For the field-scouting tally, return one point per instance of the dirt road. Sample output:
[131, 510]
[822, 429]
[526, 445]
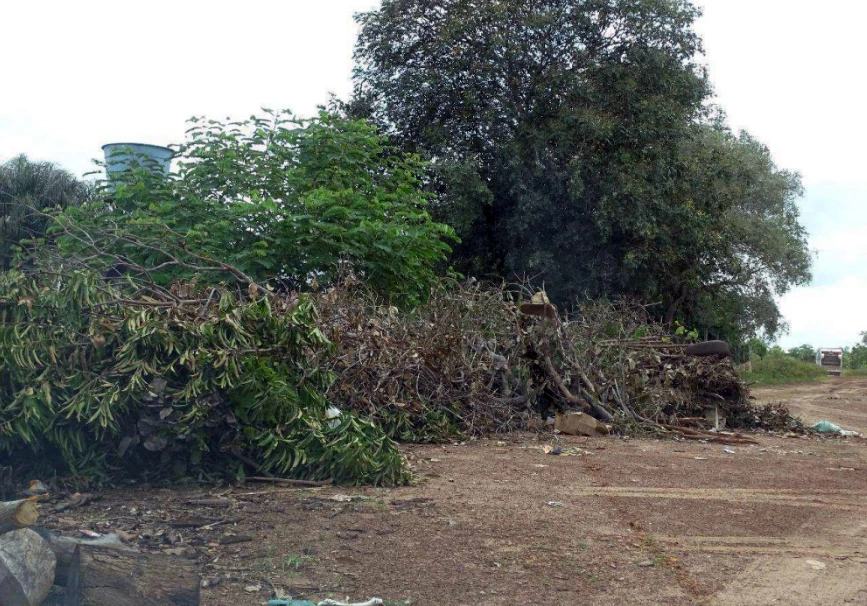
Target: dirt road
[610, 522]
[842, 400]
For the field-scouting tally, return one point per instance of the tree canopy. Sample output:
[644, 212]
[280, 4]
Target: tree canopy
[805, 353]
[574, 142]
[27, 187]
[286, 202]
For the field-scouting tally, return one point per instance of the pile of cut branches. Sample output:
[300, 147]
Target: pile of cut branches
[451, 367]
[469, 363]
[181, 382]
[632, 369]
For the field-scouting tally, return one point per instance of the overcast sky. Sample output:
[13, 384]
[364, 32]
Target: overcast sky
[77, 75]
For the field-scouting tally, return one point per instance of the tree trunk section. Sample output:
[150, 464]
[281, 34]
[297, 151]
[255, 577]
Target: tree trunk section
[672, 308]
[11, 593]
[17, 514]
[27, 566]
[64, 549]
[99, 577]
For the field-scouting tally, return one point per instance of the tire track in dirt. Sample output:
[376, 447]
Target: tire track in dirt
[837, 574]
[826, 569]
[838, 548]
[843, 500]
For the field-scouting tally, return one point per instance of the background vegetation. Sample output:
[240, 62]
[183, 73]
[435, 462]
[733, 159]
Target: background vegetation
[777, 368]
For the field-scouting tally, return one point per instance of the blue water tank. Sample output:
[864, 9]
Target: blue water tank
[118, 156]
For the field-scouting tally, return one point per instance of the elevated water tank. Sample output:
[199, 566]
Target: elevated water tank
[120, 156]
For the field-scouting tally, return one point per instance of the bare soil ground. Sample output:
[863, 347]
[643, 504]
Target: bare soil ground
[841, 400]
[614, 521]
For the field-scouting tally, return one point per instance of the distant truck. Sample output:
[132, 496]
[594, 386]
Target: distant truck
[831, 359]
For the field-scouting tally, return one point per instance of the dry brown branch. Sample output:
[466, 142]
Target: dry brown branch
[561, 386]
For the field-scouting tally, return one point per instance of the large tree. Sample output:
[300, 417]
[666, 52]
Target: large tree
[573, 141]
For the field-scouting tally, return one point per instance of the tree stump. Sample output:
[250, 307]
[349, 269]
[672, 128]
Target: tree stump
[27, 566]
[100, 577]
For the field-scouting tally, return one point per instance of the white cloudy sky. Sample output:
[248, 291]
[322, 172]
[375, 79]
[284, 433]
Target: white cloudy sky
[80, 74]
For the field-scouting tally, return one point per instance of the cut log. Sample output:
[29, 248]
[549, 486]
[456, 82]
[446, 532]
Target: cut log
[17, 514]
[11, 593]
[64, 549]
[99, 577]
[709, 348]
[27, 567]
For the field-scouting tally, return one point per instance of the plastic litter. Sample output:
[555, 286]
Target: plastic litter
[290, 603]
[552, 450]
[333, 415]
[828, 427]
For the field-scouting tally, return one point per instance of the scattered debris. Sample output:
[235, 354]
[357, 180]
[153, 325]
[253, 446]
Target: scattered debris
[126, 537]
[36, 488]
[216, 503]
[572, 451]
[556, 504]
[291, 482]
[347, 498]
[232, 539]
[370, 602]
[728, 450]
[77, 500]
[815, 564]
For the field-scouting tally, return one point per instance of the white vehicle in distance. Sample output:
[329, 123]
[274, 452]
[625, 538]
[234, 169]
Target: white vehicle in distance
[831, 359]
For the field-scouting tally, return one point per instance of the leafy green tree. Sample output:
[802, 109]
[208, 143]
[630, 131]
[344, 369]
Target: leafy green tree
[547, 122]
[27, 187]
[753, 249]
[286, 202]
[856, 357]
[805, 353]
[757, 347]
[572, 142]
